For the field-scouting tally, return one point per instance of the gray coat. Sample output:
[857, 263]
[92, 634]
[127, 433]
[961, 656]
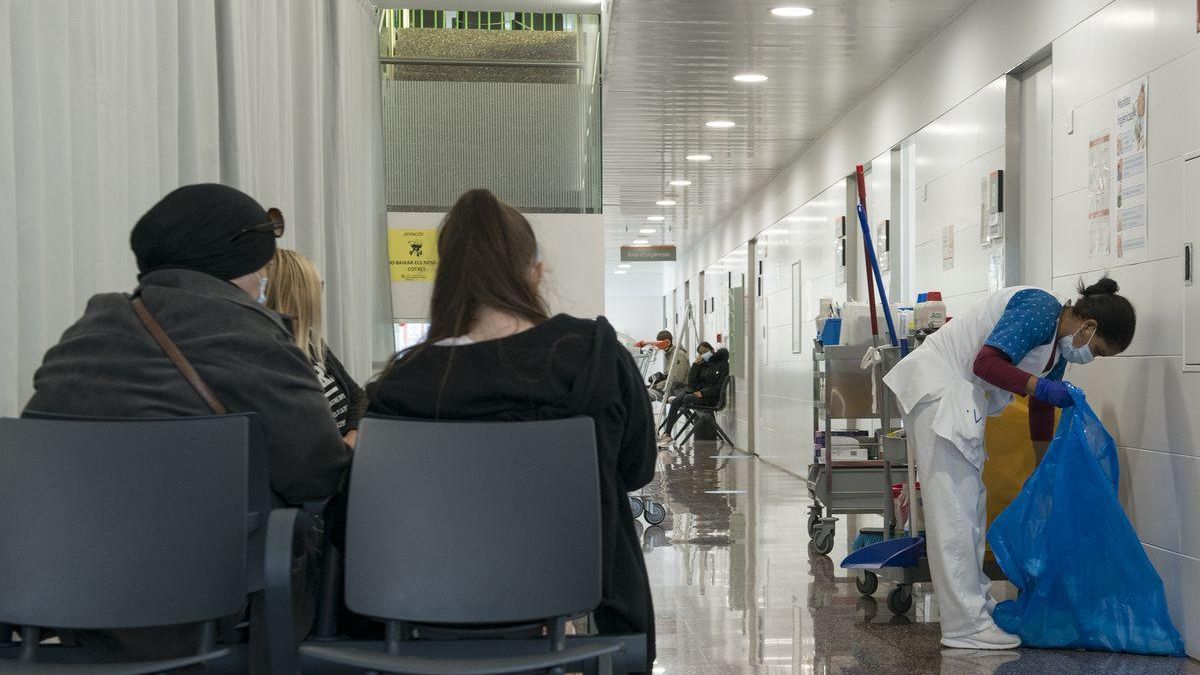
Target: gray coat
[108, 365]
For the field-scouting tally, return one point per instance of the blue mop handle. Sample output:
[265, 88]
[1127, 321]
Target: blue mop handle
[887, 312]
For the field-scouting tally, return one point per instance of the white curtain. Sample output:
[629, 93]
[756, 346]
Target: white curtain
[106, 105]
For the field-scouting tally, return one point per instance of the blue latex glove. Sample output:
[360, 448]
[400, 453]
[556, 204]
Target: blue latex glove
[1057, 394]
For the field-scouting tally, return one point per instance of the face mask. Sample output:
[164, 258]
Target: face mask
[1077, 355]
[706, 356]
[262, 291]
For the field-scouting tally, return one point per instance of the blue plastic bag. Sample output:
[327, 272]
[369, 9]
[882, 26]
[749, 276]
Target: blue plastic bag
[1085, 581]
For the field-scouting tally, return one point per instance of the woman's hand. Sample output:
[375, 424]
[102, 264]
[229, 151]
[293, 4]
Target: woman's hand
[699, 394]
[351, 438]
[1057, 394]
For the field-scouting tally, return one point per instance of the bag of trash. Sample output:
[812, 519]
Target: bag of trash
[1085, 581]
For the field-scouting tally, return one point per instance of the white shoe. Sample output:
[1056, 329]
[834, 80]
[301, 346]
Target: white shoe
[988, 638]
[664, 440]
[990, 605]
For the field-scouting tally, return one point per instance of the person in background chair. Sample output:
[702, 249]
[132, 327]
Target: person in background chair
[201, 255]
[295, 292]
[675, 366]
[493, 352]
[705, 379]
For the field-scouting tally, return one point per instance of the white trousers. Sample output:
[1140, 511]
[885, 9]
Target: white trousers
[955, 518]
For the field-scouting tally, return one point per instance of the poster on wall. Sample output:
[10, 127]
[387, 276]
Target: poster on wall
[1099, 230]
[1129, 190]
[948, 247]
[412, 254]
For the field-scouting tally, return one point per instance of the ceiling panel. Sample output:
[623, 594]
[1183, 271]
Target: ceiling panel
[669, 69]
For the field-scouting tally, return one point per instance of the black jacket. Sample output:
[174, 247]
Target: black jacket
[565, 367]
[709, 376]
[107, 365]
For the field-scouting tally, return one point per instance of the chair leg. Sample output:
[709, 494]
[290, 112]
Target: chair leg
[327, 603]
[6, 634]
[690, 418]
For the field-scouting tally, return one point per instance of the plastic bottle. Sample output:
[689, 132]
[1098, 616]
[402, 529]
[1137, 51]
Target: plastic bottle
[930, 314]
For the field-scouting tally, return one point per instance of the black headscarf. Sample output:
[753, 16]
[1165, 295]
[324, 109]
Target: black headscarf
[196, 227]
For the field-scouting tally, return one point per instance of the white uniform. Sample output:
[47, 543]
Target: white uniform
[945, 410]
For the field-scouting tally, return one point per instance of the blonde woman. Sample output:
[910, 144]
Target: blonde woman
[295, 291]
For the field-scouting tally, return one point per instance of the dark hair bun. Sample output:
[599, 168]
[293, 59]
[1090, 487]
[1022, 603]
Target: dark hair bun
[1105, 286]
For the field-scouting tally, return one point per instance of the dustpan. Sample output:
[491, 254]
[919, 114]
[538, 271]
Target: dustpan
[904, 552]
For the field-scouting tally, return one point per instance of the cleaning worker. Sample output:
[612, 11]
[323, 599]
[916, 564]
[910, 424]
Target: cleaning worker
[1015, 341]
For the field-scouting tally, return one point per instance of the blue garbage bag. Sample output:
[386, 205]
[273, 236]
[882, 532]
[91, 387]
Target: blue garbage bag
[1085, 581]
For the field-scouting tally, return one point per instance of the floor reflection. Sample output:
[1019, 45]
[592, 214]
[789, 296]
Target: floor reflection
[738, 589]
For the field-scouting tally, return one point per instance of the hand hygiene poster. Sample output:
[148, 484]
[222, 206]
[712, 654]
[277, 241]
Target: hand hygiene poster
[1130, 187]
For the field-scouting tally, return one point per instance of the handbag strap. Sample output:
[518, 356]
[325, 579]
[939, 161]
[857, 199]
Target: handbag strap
[172, 351]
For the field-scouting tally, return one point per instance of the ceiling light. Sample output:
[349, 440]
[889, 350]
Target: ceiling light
[681, 183]
[620, 272]
[624, 267]
[699, 158]
[656, 219]
[792, 12]
[666, 202]
[750, 77]
[720, 124]
[648, 231]
[640, 242]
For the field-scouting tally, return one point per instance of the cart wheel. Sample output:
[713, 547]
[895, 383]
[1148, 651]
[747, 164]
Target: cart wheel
[635, 505]
[655, 513]
[867, 583]
[814, 519]
[900, 600]
[823, 541]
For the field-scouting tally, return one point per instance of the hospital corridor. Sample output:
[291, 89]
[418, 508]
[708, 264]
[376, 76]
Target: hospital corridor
[663, 337]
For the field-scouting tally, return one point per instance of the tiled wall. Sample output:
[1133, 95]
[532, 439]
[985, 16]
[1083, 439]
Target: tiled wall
[1145, 399]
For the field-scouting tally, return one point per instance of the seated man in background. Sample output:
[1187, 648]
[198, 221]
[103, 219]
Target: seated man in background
[675, 366]
[200, 252]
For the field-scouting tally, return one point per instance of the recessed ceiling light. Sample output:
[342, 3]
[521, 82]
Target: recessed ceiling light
[619, 272]
[624, 267]
[720, 124]
[640, 242]
[649, 230]
[750, 77]
[666, 202]
[699, 158]
[681, 183]
[656, 219]
[792, 12]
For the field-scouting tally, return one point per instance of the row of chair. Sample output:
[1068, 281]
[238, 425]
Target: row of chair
[117, 524]
[693, 413]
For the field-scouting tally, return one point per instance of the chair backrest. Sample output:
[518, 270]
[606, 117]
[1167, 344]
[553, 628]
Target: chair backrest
[726, 387]
[473, 522]
[122, 524]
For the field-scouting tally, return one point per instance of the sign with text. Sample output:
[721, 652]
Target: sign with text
[647, 254]
[412, 254]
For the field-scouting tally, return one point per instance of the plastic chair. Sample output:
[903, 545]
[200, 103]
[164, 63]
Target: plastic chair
[112, 525]
[693, 411]
[454, 525]
[269, 535]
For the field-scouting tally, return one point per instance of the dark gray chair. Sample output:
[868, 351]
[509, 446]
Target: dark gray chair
[694, 412]
[454, 525]
[111, 524]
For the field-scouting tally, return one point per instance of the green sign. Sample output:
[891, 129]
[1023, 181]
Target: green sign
[647, 254]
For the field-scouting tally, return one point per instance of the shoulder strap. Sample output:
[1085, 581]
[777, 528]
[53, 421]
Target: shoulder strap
[172, 351]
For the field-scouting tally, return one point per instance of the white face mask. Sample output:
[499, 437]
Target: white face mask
[1077, 355]
[262, 291]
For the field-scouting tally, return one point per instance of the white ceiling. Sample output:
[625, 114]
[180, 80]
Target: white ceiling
[669, 69]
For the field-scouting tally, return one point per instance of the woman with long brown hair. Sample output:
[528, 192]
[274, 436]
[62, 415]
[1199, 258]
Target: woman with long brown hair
[295, 292]
[494, 353]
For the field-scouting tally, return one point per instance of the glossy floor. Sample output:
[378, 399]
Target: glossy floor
[737, 588]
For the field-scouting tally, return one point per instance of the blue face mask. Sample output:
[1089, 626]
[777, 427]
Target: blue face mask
[262, 291]
[1077, 355]
[706, 356]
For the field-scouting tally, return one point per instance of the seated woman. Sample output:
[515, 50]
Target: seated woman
[704, 381]
[295, 292]
[494, 353]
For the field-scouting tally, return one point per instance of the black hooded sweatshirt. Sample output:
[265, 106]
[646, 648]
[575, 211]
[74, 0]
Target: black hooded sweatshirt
[565, 367]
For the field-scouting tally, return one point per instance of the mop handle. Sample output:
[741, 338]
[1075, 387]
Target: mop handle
[871, 299]
[873, 263]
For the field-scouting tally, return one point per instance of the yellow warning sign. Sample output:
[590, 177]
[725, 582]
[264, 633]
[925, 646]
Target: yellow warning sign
[412, 254]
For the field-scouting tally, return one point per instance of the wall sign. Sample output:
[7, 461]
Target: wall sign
[647, 254]
[1130, 188]
[1099, 230]
[948, 247]
[412, 254]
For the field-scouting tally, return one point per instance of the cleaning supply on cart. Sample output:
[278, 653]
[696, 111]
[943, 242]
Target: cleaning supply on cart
[1085, 581]
[856, 324]
[930, 313]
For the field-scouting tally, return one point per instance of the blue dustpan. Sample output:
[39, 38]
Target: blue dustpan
[904, 552]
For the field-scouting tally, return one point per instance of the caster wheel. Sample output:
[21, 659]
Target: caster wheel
[900, 600]
[823, 542]
[866, 583]
[635, 505]
[655, 513]
[814, 519]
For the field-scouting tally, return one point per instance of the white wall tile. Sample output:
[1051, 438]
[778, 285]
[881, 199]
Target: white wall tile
[1120, 44]
[1170, 94]
[1072, 86]
[1181, 577]
[1175, 29]
[1153, 288]
[1187, 485]
[1070, 151]
[1151, 497]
